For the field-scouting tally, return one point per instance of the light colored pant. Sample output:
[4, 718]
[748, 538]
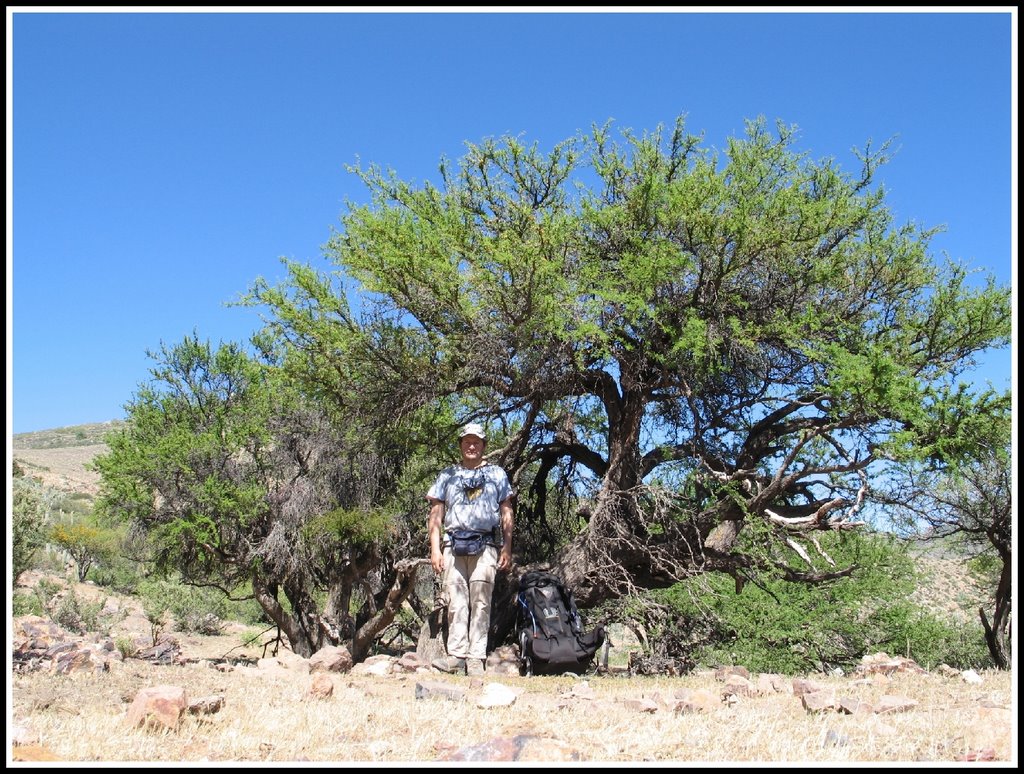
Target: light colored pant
[469, 584]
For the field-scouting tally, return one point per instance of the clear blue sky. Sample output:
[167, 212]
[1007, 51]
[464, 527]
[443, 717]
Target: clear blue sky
[159, 162]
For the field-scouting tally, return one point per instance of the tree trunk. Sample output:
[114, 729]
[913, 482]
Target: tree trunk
[433, 635]
[298, 640]
[405, 581]
[995, 633]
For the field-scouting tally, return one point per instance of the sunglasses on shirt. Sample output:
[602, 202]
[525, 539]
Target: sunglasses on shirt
[473, 486]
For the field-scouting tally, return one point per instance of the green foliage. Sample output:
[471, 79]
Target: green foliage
[781, 626]
[126, 647]
[31, 508]
[237, 480]
[192, 609]
[215, 408]
[81, 616]
[932, 641]
[157, 598]
[117, 574]
[251, 636]
[966, 501]
[26, 603]
[200, 610]
[750, 320]
[45, 591]
[86, 542]
[354, 526]
[249, 612]
[192, 466]
[985, 569]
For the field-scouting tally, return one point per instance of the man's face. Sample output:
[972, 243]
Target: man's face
[472, 448]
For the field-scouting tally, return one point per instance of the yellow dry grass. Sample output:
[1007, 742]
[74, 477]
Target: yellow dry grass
[272, 718]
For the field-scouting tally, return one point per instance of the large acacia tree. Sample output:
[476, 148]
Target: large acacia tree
[706, 356]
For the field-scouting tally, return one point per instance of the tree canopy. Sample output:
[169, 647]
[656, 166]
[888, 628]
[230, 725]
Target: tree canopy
[687, 361]
[672, 344]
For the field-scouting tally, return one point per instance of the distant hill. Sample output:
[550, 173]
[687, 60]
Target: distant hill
[59, 458]
[65, 437]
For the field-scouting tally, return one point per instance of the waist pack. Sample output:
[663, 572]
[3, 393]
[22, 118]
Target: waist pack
[467, 542]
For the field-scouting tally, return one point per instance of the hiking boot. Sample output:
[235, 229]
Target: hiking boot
[474, 667]
[450, 664]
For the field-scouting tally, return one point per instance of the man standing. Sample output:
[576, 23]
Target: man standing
[471, 497]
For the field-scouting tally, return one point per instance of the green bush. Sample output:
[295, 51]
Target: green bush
[30, 512]
[26, 603]
[792, 628]
[193, 609]
[252, 637]
[81, 616]
[930, 642]
[116, 574]
[45, 591]
[126, 647]
[248, 612]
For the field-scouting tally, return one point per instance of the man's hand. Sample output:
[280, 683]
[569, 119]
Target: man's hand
[437, 560]
[435, 528]
[505, 559]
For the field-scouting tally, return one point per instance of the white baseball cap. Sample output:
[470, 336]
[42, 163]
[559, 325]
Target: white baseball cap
[472, 429]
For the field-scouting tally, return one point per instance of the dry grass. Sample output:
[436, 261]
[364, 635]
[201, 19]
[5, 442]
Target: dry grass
[378, 719]
[62, 469]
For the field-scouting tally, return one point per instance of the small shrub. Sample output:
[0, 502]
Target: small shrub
[193, 609]
[777, 626]
[119, 576]
[45, 591]
[126, 647]
[80, 616]
[200, 610]
[930, 641]
[26, 603]
[157, 597]
[30, 513]
[253, 636]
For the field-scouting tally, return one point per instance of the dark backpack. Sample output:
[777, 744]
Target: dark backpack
[549, 632]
